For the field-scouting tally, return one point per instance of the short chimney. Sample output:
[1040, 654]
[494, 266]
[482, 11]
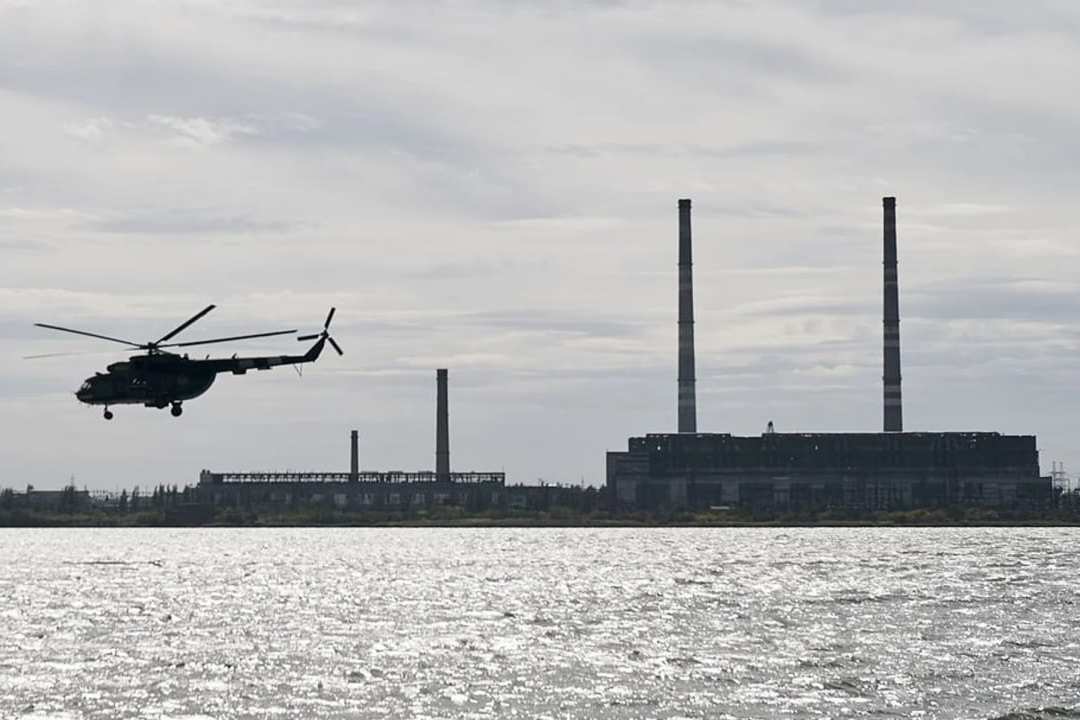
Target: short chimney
[442, 428]
[354, 466]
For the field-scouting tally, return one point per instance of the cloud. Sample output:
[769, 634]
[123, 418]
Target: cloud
[494, 190]
[199, 133]
[91, 129]
[540, 321]
[185, 221]
[762, 148]
[1004, 298]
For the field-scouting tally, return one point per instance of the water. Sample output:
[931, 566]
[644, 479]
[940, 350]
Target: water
[539, 623]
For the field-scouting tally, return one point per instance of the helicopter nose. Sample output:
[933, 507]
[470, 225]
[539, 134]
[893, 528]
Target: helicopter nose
[85, 393]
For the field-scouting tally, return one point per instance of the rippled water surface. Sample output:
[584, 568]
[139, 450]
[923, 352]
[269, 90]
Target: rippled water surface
[540, 623]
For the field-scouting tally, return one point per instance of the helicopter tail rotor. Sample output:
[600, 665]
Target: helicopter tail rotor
[325, 334]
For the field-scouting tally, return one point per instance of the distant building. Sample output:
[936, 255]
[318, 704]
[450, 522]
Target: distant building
[356, 491]
[353, 491]
[66, 500]
[818, 471]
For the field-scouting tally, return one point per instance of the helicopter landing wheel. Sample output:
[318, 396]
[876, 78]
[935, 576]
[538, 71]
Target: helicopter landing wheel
[108, 414]
[176, 410]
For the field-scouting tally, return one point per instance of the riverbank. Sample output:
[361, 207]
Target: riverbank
[206, 516]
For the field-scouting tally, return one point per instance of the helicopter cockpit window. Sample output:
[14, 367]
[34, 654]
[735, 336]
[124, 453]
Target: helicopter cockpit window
[85, 386]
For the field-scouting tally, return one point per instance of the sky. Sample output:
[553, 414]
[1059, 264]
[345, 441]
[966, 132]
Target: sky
[492, 186]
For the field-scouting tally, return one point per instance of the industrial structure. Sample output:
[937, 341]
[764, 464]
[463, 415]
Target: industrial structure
[893, 410]
[687, 391]
[387, 491]
[892, 470]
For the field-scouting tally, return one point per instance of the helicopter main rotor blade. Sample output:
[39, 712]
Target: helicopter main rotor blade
[90, 334]
[226, 339]
[197, 315]
[73, 352]
[329, 317]
[339, 352]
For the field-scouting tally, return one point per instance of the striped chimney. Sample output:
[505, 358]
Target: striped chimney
[687, 397]
[894, 421]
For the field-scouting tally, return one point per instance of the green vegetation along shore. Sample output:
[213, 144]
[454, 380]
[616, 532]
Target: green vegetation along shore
[207, 516]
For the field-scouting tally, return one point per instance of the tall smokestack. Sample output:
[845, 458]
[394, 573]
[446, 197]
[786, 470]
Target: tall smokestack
[354, 466]
[687, 397]
[894, 421]
[442, 428]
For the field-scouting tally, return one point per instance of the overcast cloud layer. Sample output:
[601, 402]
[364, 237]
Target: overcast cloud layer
[491, 187]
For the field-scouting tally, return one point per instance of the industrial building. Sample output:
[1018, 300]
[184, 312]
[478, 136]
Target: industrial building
[392, 492]
[368, 491]
[356, 491]
[891, 470]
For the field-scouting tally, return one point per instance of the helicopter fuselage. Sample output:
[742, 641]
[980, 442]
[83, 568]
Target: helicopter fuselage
[159, 379]
[155, 380]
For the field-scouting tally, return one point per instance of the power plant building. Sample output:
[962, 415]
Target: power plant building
[817, 471]
[891, 470]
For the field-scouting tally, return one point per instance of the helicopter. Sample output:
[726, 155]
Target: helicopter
[162, 379]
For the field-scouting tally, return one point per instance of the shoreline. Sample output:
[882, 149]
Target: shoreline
[154, 521]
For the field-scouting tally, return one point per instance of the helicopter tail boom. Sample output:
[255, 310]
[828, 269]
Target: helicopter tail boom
[240, 365]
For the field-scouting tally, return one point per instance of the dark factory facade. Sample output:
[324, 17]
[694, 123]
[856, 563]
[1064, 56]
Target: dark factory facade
[820, 471]
[360, 492]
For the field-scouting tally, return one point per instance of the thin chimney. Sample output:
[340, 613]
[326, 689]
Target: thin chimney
[894, 421]
[354, 466]
[442, 428]
[687, 397]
